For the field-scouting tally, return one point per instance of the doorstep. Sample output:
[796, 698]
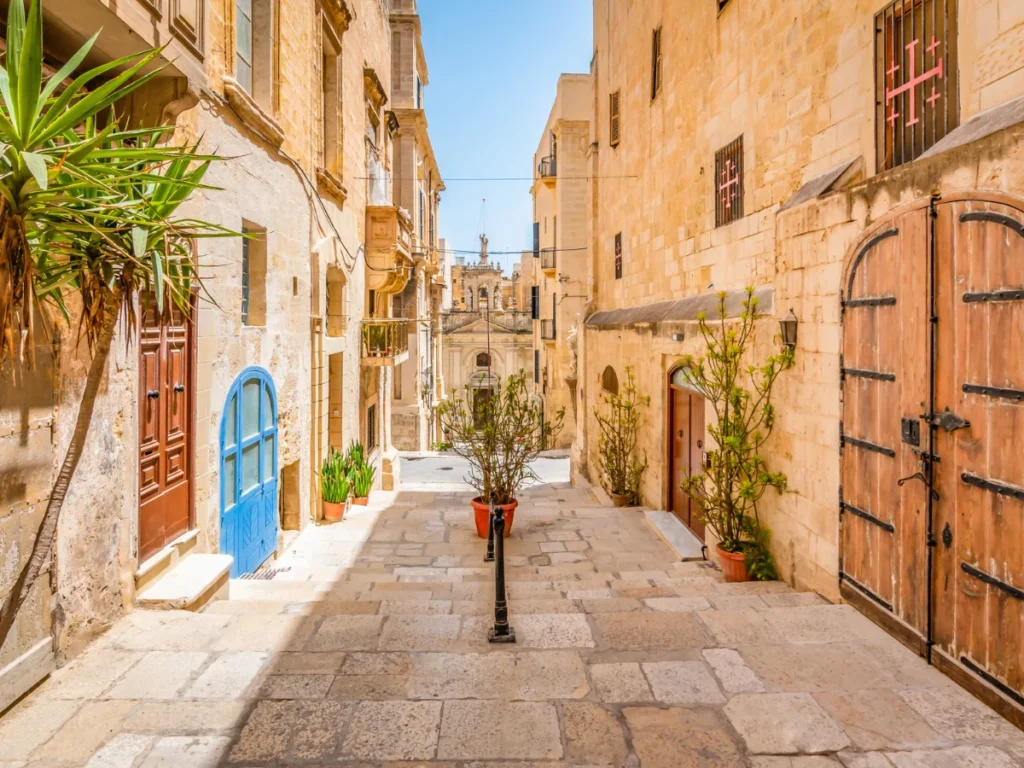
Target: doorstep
[193, 583]
[672, 531]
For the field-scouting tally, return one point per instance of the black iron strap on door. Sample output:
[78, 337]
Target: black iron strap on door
[994, 486]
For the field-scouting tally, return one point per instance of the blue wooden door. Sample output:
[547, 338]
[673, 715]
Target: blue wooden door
[248, 471]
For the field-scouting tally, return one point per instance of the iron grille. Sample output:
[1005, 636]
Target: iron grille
[547, 330]
[916, 90]
[618, 256]
[729, 183]
[548, 258]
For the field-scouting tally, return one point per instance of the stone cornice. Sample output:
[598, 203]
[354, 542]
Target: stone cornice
[252, 113]
[415, 121]
[374, 88]
[339, 13]
[329, 184]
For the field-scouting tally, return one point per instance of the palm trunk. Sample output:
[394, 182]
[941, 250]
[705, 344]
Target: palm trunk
[48, 528]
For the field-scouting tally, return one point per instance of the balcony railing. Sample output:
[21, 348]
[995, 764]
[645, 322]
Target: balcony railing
[548, 168]
[385, 340]
[547, 330]
[548, 259]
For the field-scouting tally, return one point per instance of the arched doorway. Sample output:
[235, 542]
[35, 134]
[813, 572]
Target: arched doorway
[685, 447]
[248, 471]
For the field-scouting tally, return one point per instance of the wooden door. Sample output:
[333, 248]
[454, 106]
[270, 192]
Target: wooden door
[885, 381]
[979, 522]
[165, 423]
[687, 423]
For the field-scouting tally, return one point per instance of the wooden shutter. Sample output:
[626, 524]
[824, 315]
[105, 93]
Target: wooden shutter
[656, 64]
[618, 256]
[613, 112]
[534, 302]
[536, 239]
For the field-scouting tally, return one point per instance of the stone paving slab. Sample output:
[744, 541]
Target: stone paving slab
[371, 651]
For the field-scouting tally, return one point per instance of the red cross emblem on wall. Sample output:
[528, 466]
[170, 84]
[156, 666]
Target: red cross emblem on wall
[913, 81]
[729, 185]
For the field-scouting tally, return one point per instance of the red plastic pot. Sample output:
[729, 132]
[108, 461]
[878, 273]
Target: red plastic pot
[481, 513]
[732, 565]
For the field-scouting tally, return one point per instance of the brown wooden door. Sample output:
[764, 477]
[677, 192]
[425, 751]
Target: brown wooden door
[687, 422]
[165, 422]
[979, 520]
[932, 494]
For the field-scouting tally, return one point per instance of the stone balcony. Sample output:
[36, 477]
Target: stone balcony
[389, 251]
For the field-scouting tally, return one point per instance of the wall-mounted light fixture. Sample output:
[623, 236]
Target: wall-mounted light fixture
[788, 328]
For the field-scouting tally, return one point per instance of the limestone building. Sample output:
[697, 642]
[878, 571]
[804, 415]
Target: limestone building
[559, 288]
[417, 188]
[481, 286]
[297, 353]
[860, 164]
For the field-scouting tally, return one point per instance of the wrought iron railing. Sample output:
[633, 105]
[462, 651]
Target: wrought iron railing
[385, 337]
[547, 330]
[548, 258]
[548, 168]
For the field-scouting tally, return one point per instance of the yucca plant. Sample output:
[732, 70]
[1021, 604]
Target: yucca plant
[355, 456]
[335, 483]
[362, 480]
[86, 209]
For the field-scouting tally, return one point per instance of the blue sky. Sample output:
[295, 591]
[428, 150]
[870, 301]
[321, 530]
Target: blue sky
[494, 66]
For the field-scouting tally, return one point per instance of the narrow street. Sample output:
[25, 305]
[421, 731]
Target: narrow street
[368, 647]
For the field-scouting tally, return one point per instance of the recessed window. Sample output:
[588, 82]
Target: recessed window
[656, 64]
[330, 76]
[613, 119]
[371, 427]
[254, 275]
[729, 183]
[254, 46]
[618, 256]
[610, 381]
[337, 302]
[916, 87]
[483, 360]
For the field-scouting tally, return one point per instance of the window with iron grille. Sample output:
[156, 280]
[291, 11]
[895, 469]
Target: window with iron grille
[729, 183]
[535, 302]
[618, 256]
[916, 89]
[371, 427]
[656, 64]
[613, 119]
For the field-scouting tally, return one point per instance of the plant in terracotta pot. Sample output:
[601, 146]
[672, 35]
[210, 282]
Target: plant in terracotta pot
[620, 465]
[335, 486]
[736, 475]
[500, 435]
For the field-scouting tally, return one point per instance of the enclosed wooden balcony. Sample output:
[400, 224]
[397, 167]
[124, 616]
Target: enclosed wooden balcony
[548, 261]
[385, 341]
[389, 259]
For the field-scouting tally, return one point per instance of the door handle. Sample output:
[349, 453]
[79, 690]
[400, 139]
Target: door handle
[948, 420]
[179, 387]
[153, 394]
[919, 476]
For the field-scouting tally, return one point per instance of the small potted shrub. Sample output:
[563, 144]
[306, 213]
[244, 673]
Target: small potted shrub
[362, 482]
[500, 436]
[736, 476]
[621, 467]
[334, 486]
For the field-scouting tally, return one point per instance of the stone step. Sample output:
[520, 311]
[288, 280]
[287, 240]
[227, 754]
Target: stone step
[191, 584]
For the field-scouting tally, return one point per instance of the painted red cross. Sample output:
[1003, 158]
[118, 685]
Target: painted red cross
[913, 81]
[730, 179]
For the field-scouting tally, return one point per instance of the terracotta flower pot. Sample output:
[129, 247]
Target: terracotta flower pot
[621, 499]
[732, 565]
[334, 511]
[361, 501]
[481, 513]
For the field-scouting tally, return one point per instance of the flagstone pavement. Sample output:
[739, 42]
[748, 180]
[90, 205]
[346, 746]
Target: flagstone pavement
[370, 650]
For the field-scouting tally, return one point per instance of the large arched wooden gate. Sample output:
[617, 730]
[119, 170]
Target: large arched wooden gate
[932, 437]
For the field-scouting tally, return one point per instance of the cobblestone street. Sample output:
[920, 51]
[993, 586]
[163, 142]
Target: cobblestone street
[369, 648]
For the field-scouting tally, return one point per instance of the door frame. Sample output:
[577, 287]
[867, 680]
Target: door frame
[190, 439]
[666, 428]
[922, 645]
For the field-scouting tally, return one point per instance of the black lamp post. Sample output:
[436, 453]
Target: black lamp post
[788, 327]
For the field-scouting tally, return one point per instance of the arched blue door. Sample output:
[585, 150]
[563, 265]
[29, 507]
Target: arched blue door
[248, 471]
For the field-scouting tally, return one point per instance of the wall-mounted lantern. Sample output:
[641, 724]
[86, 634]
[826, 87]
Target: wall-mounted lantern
[788, 328]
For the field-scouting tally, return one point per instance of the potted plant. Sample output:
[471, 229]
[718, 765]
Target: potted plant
[736, 476]
[335, 486]
[500, 435]
[621, 468]
[362, 482]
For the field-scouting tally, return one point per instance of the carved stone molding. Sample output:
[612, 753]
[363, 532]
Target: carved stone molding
[187, 21]
[329, 184]
[339, 14]
[374, 88]
[252, 113]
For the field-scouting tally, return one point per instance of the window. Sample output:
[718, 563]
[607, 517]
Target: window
[535, 302]
[656, 64]
[618, 256]
[337, 303]
[536, 366]
[254, 275]
[536, 239]
[554, 146]
[423, 207]
[613, 119]
[916, 88]
[371, 427]
[483, 360]
[554, 313]
[729, 183]
[419, 93]
[254, 44]
[610, 381]
[330, 81]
